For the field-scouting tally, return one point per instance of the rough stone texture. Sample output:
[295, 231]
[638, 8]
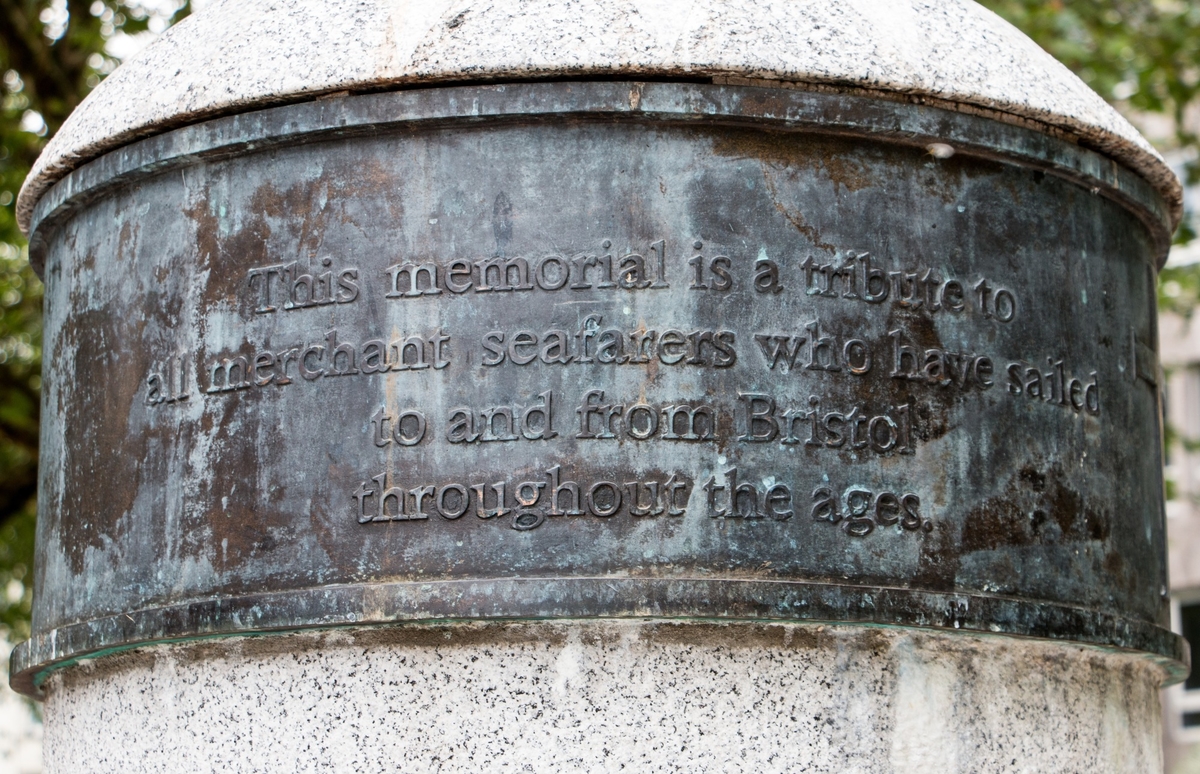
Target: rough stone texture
[608, 697]
[20, 731]
[236, 55]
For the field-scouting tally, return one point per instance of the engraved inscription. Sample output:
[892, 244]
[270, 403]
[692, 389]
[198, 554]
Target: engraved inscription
[858, 510]
[529, 502]
[168, 380]
[641, 421]
[602, 269]
[593, 343]
[816, 351]
[531, 422]
[763, 421]
[1055, 386]
[800, 356]
[939, 367]
[333, 356]
[859, 277]
[290, 286]
[406, 428]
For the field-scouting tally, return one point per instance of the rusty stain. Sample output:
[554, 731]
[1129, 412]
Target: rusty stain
[1036, 507]
[794, 216]
[838, 160]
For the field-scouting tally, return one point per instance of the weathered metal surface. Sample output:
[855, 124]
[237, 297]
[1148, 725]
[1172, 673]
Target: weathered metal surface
[599, 349]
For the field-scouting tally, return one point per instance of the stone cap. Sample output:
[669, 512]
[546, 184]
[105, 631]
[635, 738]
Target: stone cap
[236, 56]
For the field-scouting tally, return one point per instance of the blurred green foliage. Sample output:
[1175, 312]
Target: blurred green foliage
[1179, 289]
[1144, 56]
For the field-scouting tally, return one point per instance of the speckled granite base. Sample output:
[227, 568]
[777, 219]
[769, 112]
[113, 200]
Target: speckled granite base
[607, 697]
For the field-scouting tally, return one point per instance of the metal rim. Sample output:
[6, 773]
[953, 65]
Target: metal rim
[691, 103]
[499, 599]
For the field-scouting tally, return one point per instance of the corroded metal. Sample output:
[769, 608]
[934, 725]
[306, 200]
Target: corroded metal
[599, 349]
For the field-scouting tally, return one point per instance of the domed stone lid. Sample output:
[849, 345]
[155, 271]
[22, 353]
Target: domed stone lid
[235, 56]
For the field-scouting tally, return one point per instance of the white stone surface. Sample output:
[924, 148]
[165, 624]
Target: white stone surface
[20, 729]
[235, 55]
[607, 697]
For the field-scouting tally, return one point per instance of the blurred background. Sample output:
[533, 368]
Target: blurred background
[1141, 55]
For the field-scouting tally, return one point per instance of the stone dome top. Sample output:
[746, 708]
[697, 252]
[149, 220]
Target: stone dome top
[234, 56]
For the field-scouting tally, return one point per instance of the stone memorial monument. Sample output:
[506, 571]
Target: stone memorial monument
[560, 385]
